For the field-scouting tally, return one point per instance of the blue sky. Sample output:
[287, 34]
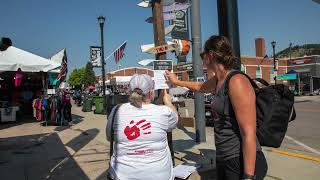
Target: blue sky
[44, 27]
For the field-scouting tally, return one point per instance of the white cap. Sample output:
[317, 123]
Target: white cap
[141, 81]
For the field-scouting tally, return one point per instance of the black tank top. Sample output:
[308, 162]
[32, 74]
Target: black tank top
[226, 129]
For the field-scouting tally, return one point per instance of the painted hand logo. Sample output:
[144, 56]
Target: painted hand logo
[134, 131]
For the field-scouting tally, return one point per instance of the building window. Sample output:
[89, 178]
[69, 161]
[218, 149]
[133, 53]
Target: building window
[258, 72]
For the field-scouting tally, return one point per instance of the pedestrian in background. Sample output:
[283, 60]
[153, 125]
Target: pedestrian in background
[140, 130]
[238, 152]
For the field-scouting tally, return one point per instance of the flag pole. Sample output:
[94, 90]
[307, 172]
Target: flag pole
[114, 51]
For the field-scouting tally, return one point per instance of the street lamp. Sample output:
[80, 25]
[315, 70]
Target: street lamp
[273, 43]
[101, 21]
[316, 1]
[290, 46]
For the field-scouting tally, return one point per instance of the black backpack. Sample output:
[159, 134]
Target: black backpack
[274, 107]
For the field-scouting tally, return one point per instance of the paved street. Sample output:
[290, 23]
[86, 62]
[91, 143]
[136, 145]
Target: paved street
[306, 127]
[31, 151]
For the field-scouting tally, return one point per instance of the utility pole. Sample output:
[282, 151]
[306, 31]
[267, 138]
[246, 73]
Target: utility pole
[229, 26]
[200, 120]
[159, 39]
[158, 27]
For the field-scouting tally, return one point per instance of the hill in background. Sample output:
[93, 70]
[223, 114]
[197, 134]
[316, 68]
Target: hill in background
[300, 51]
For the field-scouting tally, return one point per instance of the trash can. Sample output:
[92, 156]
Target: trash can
[87, 104]
[99, 101]
[114, 100]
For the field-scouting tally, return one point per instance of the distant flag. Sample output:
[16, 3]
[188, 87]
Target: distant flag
[119, 52]
[64, 68]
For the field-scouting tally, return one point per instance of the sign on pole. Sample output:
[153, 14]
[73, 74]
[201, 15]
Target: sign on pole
[181, 25]
[159, 68]
[95, 56]
[161, 49]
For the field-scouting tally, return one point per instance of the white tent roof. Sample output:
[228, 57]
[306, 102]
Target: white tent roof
[14, 58]
[57, 58]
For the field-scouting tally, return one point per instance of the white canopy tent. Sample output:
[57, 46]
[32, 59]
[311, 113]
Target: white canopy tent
[57, 58]
[14, 58]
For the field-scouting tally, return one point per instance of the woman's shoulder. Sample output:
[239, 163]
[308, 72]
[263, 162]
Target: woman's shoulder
[159, 108]
[239, 79]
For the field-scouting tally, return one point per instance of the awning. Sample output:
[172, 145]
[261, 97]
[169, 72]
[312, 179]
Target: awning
[302, 70]
[14, 58]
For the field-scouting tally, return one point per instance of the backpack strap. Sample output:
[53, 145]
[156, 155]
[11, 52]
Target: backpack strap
[231, 74]
[112, 129]
[226, 90]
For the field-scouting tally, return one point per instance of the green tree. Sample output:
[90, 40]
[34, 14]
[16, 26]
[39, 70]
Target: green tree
[76, 77]
[89, 77]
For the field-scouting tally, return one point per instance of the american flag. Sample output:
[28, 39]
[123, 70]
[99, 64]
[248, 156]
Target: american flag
[119, 53]
[64, 68]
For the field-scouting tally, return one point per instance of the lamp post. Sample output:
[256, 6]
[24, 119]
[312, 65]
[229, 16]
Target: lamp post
[273, 43]
[316, 1]
[101, 20]
[290, 48]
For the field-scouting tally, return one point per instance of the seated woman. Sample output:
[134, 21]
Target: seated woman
[140, 129]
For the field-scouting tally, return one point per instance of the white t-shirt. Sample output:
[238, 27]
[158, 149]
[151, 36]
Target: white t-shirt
[141, 148]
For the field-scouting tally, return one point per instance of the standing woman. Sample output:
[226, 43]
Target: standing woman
[238, 152]
[141, 150]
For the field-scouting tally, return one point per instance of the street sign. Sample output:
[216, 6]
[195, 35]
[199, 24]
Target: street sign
[147, 3]
[176, 7]
[146, 62]
[166, 17]
[161, 49]
[168, 29]
[162, 65]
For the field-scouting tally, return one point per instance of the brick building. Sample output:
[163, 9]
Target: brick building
[126, 72]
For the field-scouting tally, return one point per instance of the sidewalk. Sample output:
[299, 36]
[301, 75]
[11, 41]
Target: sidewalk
[299, 99]
[31, 151]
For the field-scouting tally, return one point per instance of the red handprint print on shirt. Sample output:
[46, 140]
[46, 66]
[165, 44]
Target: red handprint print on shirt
[134, 131]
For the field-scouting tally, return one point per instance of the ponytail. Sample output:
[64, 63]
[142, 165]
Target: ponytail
[136, 98]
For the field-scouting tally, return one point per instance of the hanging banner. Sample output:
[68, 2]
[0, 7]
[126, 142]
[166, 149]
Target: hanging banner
[181, 24]
[95, 56]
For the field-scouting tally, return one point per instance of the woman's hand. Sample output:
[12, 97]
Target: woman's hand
[167, 99]
[171, 77]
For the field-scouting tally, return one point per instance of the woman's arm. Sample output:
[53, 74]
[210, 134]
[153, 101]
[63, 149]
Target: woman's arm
[243, 100]
[203, 87]
[167, 100]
